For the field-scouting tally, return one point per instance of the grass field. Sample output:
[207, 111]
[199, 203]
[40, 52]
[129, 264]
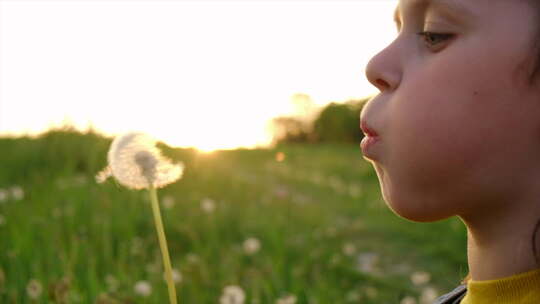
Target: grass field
[304, 222]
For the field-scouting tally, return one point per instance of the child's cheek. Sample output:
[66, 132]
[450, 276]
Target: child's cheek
[435, 141]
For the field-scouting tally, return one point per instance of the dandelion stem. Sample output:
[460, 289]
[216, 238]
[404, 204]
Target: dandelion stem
[163, 244]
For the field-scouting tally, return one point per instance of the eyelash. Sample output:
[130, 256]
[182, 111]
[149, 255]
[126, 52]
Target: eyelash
[434, 39]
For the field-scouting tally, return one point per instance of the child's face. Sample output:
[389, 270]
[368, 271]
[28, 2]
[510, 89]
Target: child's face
[459, 125]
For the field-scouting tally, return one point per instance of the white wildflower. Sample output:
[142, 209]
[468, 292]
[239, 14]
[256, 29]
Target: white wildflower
[112, 283]
[192, 258]
[353, 296]
[349, 249]
[208, 205]
[135, 161]
[371, 292]
[4, 195]
[367, 262]
[251, 245]
[143, 288]
[176, 276]
[290, 299]
[408, 300]
[420, 277]
[232, 295]
[17, 192]
[168, 202]
[34, 289]
[428, 296]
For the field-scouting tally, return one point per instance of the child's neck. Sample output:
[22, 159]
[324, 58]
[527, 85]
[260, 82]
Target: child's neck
[500, 245]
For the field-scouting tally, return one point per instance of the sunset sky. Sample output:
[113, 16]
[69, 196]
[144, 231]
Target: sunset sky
[208, 74]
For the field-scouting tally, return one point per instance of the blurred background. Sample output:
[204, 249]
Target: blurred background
[259, 99]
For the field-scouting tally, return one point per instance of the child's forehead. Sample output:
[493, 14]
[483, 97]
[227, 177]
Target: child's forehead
[459, 6]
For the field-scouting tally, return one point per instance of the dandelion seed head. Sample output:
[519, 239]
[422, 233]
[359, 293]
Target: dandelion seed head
[349, 249]
[3, 195]
[208, 205]
[176, 276]
[428, 296]
[136, 162]
[232, 295]
[17, 192]
[420, 278]
[290, 299]
[408, 300]
[251, 246]
[34, 289]
[112, 282]
[143, 288]
[168, 202]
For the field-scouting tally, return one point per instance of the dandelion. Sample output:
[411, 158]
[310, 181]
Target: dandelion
[232, 295]
[112, 282]
[428, 296]
[34, 289]
[143, 288]
[349, 249]
[17, 192]
[420, 278]
[371, 292]
[4, 194]
[168, 202]
[177, 276]
[135, 162]
[290, 299]
[353, 296]
[208, 205]
[251, 246]
[408, 300]
[367, 262]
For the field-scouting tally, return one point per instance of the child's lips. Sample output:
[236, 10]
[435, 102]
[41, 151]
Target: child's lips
[367, 144]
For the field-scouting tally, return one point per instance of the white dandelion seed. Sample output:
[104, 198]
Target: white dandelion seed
[428, 296]
[290, 299]
[251, 246]
[17, 192]
[34, 289]
[420, 278]
[112, 283]
[232, 295]
[349, 249]
[353, 296]
[367, 262]
[135, 161]
[143, 288]
[408, 300]
[371, 292]
[4, 194]
[168, 202]
[208, 205]
[176, 275]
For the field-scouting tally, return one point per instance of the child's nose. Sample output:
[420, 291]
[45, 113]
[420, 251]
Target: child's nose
[383, 69]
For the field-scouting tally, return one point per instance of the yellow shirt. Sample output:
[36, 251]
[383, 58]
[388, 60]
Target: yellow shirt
[523, 288]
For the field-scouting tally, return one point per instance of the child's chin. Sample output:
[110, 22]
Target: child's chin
[415, 212]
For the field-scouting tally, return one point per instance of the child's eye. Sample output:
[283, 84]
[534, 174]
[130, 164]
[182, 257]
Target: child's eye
[434, 41]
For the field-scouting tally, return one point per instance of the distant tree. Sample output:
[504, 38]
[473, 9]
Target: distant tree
[339, 122]
[290, 129]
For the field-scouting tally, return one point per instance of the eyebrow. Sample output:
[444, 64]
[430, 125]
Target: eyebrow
[451, 9]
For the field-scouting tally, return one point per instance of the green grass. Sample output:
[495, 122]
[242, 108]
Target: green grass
[74, 235]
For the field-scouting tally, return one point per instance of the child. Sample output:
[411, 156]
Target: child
[455, 131]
